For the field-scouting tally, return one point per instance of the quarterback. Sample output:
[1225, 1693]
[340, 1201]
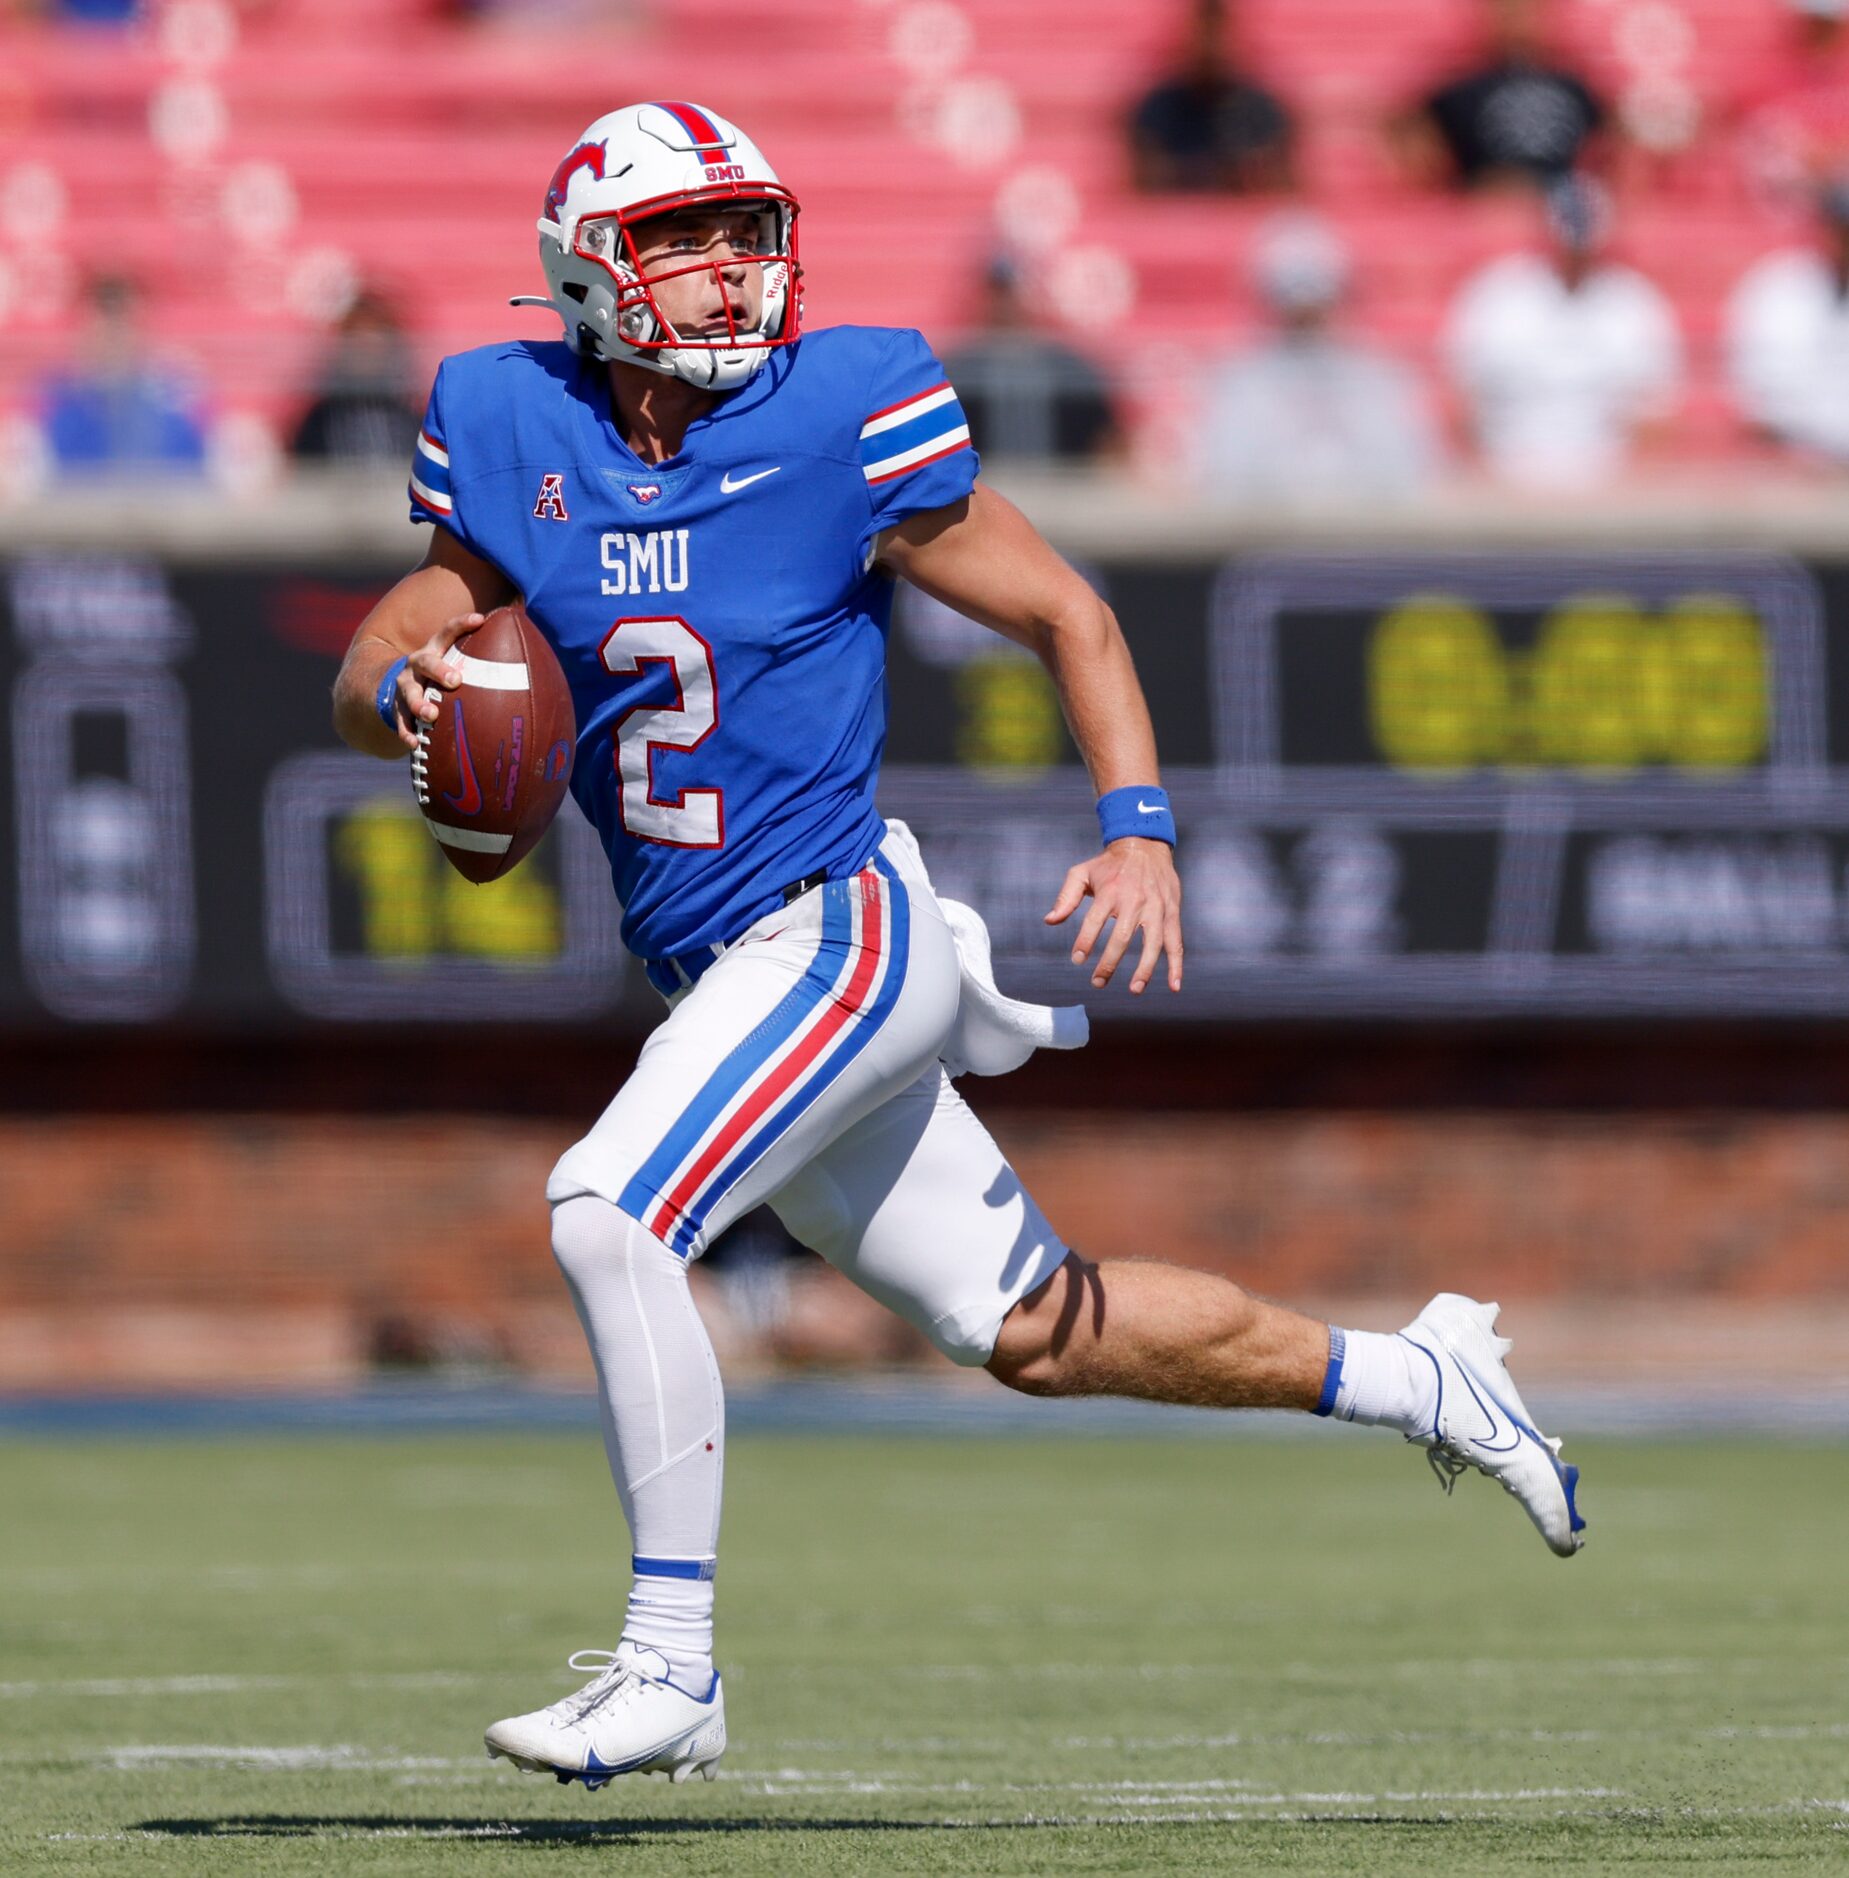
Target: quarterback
[704, 508]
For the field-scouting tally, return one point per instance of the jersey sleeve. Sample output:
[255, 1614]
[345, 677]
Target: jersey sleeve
[433, 496]
[915, 450]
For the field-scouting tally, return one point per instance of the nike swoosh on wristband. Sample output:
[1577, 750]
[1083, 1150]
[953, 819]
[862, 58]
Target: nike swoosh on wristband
[731, 488]
[1148, 808]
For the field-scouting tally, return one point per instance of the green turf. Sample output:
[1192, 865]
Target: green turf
[942, 1656]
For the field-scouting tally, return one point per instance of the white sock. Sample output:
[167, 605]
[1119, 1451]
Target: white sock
[674, 1616]
[663, 1422]
[1378, 1380]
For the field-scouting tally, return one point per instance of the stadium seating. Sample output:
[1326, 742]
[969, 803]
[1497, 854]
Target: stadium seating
[247, 164]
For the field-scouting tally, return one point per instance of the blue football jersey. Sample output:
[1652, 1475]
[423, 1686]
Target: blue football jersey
[716, 616]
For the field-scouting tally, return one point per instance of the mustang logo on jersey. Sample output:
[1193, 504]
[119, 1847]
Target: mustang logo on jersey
[645, 563]
[551, 503]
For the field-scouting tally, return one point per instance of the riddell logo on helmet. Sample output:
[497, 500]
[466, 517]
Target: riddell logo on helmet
[725, 173]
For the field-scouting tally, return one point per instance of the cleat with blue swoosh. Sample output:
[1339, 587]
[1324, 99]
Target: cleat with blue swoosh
[1480, 1422]
[630, 1718]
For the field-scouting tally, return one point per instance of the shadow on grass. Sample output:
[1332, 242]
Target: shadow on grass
[508, 1831]
[639, 1830]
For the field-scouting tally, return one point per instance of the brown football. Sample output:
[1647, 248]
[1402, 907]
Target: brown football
[490, 773]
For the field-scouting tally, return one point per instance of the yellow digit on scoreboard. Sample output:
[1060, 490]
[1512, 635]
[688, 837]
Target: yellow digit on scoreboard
[413, 908]
[1438, 685]
[1592, 684]
[514, 919]
[1608, 688]
[1008, 715]
[391, 861]
[1722, 715]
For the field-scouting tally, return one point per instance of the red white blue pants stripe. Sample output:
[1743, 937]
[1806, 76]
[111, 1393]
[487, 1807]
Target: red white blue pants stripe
[801, 1069]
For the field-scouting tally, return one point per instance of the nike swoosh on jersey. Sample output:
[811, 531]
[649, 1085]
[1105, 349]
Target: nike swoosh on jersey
[467, 801]
[731, 488]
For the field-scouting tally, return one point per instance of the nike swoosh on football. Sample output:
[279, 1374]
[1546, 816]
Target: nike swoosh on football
[467, 801]
[731, 488]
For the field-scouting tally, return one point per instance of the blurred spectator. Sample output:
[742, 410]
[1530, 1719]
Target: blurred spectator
[1563, 357]
[119, 409]
[79, 12]
[1795, 117]
[365, 409]
[1025, 393]
[1521, 114]
[1788, 337]
[1305, 415]
[1208, 126]
[552, 14]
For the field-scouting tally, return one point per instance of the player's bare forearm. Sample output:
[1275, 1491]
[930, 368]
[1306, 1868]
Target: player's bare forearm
[419, 620]
[1083, 648]
[983, 557]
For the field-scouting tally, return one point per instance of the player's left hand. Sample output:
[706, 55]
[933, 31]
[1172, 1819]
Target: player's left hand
[1134, 883]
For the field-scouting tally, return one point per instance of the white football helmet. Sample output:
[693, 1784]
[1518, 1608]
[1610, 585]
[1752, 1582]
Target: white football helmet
[648, 160]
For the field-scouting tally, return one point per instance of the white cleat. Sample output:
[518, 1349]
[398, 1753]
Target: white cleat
[629, 1719]
[1480, 1421]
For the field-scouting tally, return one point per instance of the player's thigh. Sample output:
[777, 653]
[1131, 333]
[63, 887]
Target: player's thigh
[917, 1204]
[787, 1040]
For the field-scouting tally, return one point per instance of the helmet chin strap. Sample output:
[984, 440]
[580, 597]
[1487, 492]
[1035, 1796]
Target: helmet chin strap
[671, 361]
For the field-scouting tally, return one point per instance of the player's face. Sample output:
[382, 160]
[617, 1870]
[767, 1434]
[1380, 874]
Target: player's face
[708, 257]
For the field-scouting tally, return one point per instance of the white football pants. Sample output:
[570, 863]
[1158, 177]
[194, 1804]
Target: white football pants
[800, 1068]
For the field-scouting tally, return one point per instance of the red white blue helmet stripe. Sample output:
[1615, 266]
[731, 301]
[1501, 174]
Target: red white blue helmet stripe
[710, 142]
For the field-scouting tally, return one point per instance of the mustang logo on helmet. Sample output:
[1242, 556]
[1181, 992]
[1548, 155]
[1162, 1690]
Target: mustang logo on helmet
[587, 156]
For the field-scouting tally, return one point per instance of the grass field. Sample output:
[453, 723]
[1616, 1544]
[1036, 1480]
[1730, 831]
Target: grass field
[942, 1656]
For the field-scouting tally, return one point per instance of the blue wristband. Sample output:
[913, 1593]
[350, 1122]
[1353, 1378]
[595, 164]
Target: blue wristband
[387, 700]
[1142, 812]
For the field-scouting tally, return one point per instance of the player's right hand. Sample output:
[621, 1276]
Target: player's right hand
[430, 672]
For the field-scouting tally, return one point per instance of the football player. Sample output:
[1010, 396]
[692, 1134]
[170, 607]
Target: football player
[704, 508]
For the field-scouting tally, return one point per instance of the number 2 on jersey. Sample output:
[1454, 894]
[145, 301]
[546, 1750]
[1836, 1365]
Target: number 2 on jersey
[688, 818]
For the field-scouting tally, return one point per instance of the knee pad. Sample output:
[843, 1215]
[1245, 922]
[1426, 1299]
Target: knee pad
[592, 1234]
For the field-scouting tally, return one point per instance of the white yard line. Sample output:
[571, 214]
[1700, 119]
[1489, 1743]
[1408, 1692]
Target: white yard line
[341, 1758]
[1408, 1668]
[239, 1685]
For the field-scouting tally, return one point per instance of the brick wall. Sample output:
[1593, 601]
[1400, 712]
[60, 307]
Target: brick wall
[219, 1250]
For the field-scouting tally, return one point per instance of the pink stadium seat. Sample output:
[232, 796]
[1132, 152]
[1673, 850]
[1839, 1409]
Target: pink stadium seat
[417, 148]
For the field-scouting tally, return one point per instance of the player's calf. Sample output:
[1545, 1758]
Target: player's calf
[1167, 1334]
[1159, 1332]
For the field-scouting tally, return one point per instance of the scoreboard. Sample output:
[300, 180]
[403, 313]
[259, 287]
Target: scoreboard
[1409, 785]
